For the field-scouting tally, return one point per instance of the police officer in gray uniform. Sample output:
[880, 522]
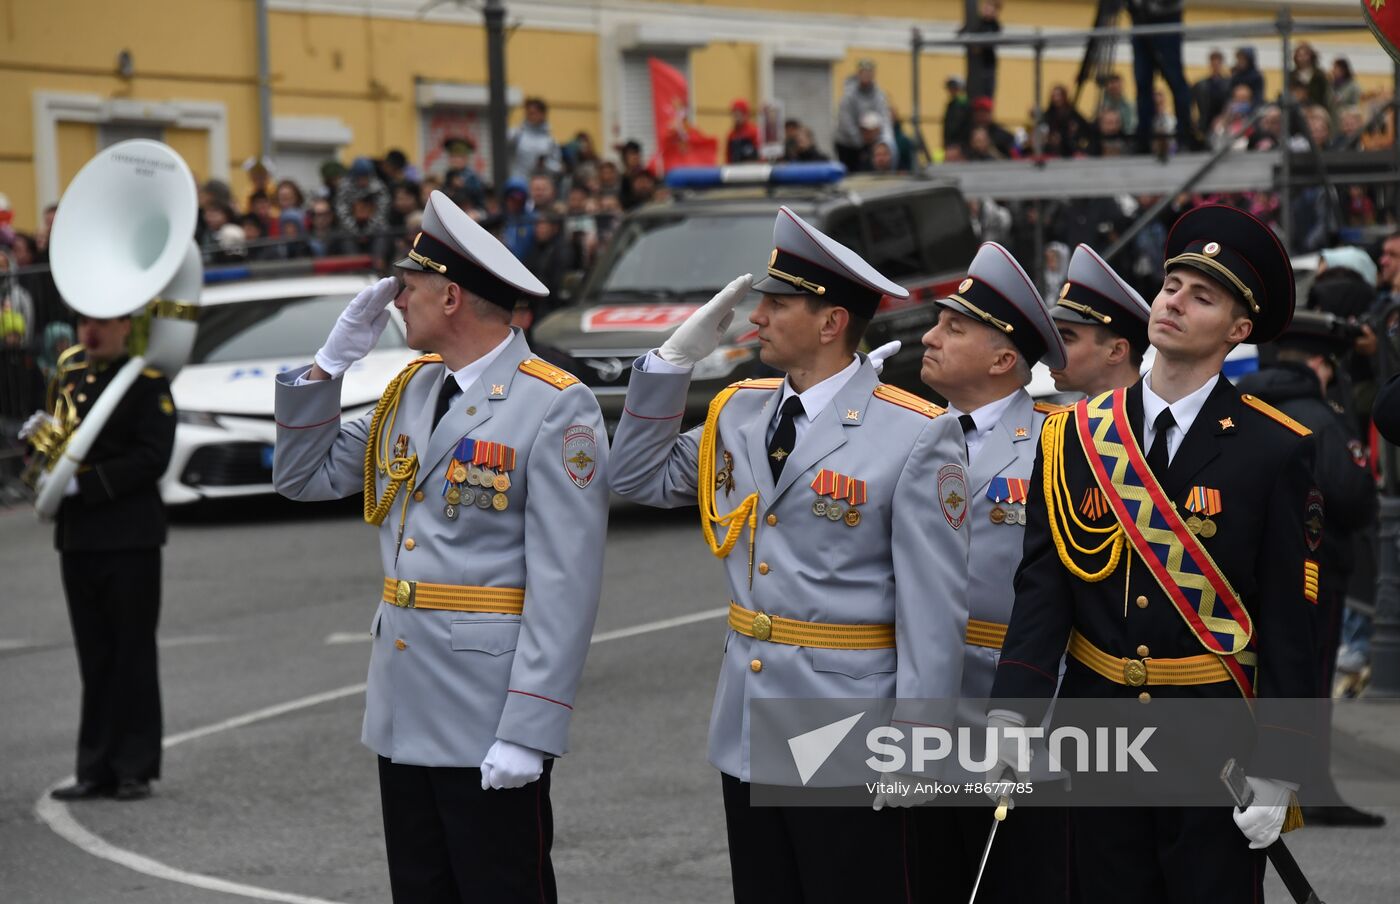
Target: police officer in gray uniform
[979, 357]
[485, 470]
[1103, 322]
[839, 507]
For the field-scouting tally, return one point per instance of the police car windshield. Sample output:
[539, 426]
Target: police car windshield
[272, 328]
[681, 255]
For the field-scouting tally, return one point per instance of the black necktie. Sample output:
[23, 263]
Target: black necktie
[968, 424]
[449, 392]
[1157, 459]
[785, 437]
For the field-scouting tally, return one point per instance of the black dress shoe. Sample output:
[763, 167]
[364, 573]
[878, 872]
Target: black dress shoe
[81, 791]
[1349, 817]
[132, 789]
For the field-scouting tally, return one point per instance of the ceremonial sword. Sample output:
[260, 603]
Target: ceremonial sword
[1003, 804]
[1279, 855]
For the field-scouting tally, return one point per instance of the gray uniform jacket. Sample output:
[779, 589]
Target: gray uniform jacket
[444, 685]
[1007, 451]
[904, 563]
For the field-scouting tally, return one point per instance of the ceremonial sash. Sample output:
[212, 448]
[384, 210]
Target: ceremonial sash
[1180, 564]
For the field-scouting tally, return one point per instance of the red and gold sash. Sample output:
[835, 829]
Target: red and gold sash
[1185, 571]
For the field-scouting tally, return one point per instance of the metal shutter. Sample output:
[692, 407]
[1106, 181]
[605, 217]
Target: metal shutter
[302, 164]
[637, 120]
[804, 87]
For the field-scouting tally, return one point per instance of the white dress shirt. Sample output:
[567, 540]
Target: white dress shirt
[1184, 411]
[473, 371]
[983, 420]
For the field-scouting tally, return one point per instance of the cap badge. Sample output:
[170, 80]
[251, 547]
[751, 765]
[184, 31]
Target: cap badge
[416, 238]
[1211, 249]
[773, 258]
[965, 285]
[1064, 290]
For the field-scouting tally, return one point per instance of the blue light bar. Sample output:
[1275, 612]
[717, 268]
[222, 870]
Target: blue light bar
[820, 173]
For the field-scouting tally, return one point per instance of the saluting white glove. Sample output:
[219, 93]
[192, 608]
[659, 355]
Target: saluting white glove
[509, 765]
[878, 356]
[358, 328]
[1262, 820]
[700, 334]
[36, 420]
[1008, 767]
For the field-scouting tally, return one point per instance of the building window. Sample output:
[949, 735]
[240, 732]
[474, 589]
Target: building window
[448, 110]
[110, 133]
[803, 87]
[301, 144]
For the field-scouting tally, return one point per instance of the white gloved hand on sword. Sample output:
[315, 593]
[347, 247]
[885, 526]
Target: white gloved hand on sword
[700, 334]
[358, 328]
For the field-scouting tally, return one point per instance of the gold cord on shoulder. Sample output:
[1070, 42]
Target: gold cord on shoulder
[1059, 507]
[379, 458]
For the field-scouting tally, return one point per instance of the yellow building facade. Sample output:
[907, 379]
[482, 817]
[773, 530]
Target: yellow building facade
[358, 77]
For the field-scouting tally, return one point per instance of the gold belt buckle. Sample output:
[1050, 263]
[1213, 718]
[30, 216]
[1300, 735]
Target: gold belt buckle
[1135, 673]
[403, 596]
[762, 626]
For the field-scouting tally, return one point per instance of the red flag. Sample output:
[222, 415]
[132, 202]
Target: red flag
[1384, 18]
[678, 142]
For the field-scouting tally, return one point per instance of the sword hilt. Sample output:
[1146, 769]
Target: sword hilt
[1003, 804]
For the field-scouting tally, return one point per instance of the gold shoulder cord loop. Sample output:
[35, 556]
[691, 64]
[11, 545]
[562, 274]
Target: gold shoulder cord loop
[1058, 503]
[378, 452]
[745, 513]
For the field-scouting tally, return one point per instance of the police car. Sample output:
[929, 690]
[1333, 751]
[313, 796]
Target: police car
[255, 323]
[668, 258]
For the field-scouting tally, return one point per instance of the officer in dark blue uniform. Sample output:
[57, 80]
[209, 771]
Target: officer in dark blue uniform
[1236, 477]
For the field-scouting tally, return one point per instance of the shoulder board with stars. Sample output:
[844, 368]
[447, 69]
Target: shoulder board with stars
[1049, 408]
[905, 399]
[759, 383]
[1273, 413]
[544, 371]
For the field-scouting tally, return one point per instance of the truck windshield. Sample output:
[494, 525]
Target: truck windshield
[681, 255]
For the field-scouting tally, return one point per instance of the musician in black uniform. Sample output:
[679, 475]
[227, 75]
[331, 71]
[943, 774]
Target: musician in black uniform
[1236, 476]
[110, 529]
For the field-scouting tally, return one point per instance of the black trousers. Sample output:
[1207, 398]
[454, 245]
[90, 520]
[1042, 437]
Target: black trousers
[1164, 855]
[815, 854]
[449, 842]
[1030, 860]
[114, 605]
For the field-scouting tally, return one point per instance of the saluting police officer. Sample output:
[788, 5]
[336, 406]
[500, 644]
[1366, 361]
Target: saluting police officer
[1239, 502]
[1103, 322]
[839, 506]
[485, 470]
[109, 533]
[979, 356]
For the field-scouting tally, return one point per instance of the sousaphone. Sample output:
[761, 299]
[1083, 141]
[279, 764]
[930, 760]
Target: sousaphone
[123, 244]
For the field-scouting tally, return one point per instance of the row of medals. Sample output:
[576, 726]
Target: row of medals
[1204, 527]
[1008, 515]
[831, 510]
[476, 486]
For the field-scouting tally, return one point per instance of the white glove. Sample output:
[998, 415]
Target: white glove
[878, 356]
[1008, 767]
[696, 338]
[358, 328]
[1262, 820]
[36, 420]
[916, 796]
[509, 765]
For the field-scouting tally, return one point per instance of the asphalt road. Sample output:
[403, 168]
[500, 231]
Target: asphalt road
[268, 604]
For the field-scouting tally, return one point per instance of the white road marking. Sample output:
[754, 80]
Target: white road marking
[57, 817]
[346, 637]
[191, 640]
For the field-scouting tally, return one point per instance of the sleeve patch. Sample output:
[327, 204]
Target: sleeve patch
[1313, 519]
[580, 454]
[952, 494]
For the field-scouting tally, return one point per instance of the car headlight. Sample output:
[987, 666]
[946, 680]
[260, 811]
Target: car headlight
[196, 418]
[721, 362]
